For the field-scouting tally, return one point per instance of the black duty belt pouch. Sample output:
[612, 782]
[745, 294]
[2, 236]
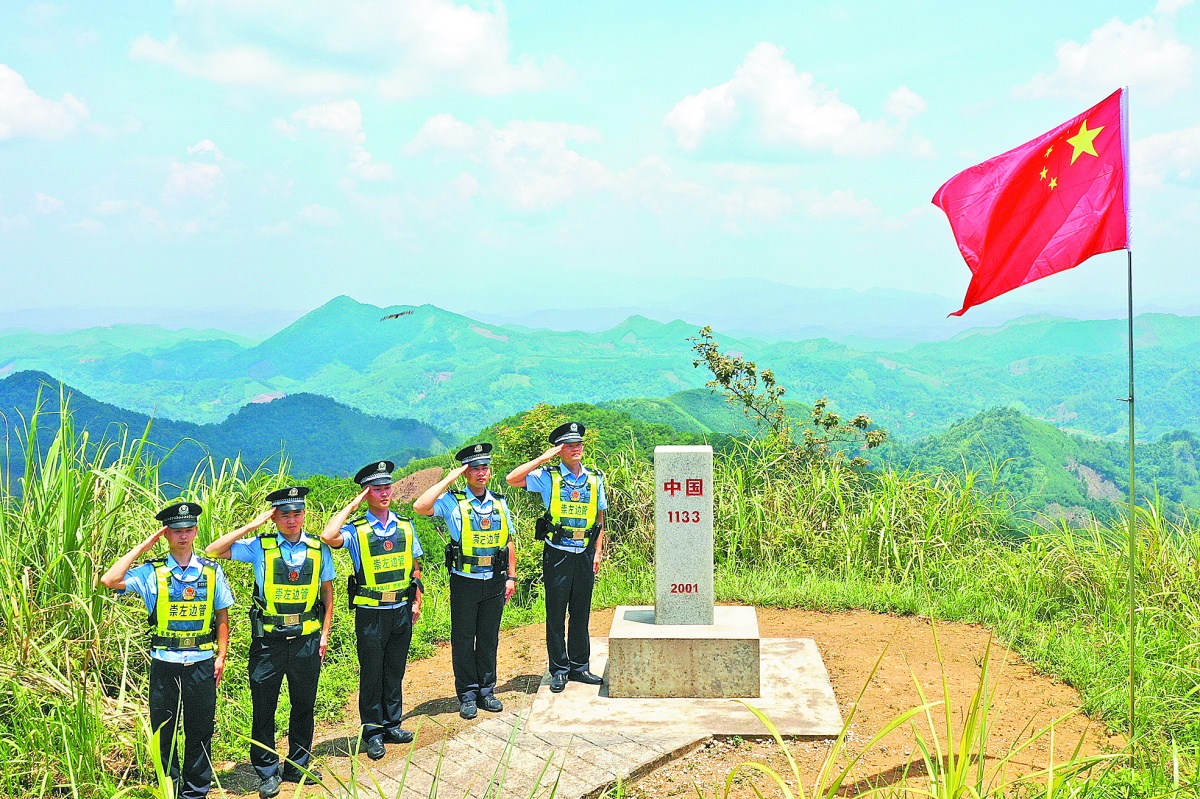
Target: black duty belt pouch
[351, 590]
[540, 529]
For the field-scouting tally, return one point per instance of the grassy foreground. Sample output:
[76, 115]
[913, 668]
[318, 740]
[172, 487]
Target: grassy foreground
[72, 662]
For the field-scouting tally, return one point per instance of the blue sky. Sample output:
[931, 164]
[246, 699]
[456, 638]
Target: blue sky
[248, 155]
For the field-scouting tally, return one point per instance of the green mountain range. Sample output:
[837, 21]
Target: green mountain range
[318, 435]
[459, 375]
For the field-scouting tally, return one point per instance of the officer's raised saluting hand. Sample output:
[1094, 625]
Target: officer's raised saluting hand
[546, 456]
[261, 519]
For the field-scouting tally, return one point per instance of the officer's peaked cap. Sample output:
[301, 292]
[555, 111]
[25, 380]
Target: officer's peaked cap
[375, 474]
[475, 454]
[290, 498]
[180, 514]
[567, 433]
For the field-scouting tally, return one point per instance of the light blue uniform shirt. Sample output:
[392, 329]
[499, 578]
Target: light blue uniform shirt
[447, 509]
[391, 528]
[140, 580]
[539, 482]
[251, 551]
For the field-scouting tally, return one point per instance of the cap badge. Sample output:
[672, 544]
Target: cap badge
[575, 495]
[387, 546]
[485, 523]
[382, 466]
[574, 427]
[293, 575]
[292, 492]
[183, 510]
[479, 447]
[189, 593]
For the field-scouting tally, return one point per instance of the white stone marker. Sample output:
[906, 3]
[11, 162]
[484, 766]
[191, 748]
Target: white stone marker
[683, 535]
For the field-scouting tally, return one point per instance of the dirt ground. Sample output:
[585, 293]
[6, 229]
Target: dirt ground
[1023, 702]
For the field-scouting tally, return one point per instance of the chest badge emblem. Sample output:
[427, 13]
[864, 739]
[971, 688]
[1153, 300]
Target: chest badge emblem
[189, 593]
[486, 522]
[293, 575]
[388, 546]
[575, 495]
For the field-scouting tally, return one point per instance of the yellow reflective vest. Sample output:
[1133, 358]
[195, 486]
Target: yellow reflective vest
[184, 613]
[481, 535]
[290, 595]
[568, 503]
[387, 563]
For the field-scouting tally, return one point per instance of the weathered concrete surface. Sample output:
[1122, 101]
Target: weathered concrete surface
[683, 535]
[794, 693]
[718, 660]
[491, 761]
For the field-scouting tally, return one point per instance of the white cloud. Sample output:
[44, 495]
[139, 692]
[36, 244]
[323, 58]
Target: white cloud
[244, 66]
[192, 180]
[344, 120]
[43, 13]
[785, 108]
[444, 132]
[401, 48]
[18, 222]
[86, 226]
[319, 216]
[1168, 7]
[1163, 157]
[206, 146]
[45, 204]
[24, 113]
[1142, 55]
[903, 103]
[532, 164]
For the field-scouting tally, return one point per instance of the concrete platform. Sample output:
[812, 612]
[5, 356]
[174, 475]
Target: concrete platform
[715, 660]
[794, 693]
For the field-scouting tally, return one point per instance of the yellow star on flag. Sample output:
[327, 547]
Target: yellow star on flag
[1048, 151]
[1053, 183]
[1083, 141]
[1043, 173]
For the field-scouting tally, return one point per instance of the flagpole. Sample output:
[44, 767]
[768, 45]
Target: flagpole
[1132, 519]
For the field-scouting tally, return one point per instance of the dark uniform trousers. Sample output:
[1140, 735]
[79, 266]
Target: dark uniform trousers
[475, 610]
[382, 639]
[195, 687]
[568, 578]
[271, 659]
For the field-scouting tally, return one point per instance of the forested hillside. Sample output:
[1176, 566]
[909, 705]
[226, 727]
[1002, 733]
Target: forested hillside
[458, 374]
[320, 436]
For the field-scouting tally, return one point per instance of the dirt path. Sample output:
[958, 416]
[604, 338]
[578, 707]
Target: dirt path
[851, 643]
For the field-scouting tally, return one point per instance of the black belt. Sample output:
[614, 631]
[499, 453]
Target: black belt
[291, 619]
[176, 643]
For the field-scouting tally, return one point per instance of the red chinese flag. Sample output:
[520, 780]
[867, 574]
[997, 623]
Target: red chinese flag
[1046, 206]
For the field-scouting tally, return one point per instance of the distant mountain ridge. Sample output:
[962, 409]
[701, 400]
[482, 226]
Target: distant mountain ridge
[460, 374]
[319, 435]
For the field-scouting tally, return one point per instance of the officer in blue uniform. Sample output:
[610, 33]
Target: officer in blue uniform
[187, 599]
[290, 620]
[482, 559]
[573, 529]
[385, 592]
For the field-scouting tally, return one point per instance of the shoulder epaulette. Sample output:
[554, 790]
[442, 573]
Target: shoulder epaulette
[457, 493]
[157, 561]
[212, 564]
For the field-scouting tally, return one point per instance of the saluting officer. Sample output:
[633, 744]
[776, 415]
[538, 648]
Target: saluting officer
[482, 559]
[290, 619]
[573, 529]
[187, 599]
[385, 592]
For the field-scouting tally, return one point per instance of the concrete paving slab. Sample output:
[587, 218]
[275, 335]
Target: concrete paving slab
[794, 693]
